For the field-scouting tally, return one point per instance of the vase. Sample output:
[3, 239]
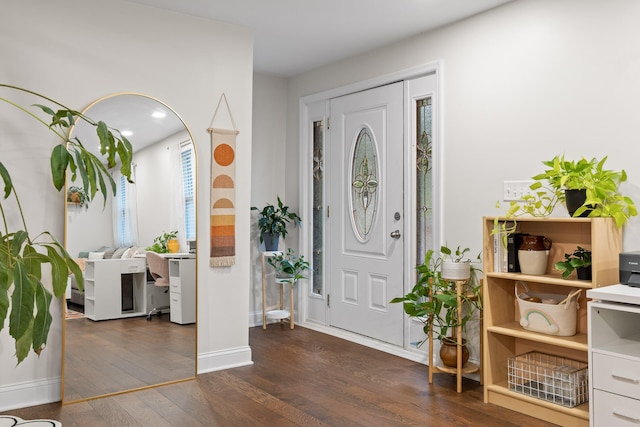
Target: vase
[574, 199]
[270, 241]
[584, 273]
[449, 353]
[173, 246]
[451, 270]
[533, 254]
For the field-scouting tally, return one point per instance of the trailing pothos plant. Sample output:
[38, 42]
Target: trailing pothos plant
[23, 296]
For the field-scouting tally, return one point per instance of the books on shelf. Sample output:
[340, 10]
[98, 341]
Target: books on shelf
[505, 250]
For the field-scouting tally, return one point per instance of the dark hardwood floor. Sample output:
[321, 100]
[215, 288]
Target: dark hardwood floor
[123, 354]
[299, 378]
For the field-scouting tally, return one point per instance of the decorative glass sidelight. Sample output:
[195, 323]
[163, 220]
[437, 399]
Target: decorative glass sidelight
[364, 184]
[318, 204]
[424, 177]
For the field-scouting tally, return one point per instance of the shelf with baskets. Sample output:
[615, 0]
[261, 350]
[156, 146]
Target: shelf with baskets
[505, 340]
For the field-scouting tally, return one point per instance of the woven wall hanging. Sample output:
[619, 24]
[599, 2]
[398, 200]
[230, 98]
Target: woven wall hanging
[223, 192]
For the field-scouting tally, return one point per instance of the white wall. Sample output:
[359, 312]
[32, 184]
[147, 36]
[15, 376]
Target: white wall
[77, 51]
[522, 83]
[267, 175]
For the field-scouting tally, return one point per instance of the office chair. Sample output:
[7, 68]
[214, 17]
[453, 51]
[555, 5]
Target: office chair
[159, 270]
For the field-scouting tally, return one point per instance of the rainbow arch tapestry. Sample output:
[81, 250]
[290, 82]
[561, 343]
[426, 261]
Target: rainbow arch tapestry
[223, 211]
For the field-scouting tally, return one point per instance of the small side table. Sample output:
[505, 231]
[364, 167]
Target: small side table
[278, 311]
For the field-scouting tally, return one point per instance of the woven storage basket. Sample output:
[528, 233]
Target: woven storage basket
[547, 316]
[553, 378]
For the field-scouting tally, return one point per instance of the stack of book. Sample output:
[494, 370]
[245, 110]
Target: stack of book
[505, 251]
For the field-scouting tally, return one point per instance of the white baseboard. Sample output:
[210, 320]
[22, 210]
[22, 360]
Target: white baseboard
[224, 359]
[40, 392]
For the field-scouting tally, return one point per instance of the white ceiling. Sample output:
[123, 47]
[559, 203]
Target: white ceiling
[294, 36]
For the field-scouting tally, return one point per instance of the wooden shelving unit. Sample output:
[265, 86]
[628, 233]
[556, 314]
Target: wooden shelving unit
[502, 334]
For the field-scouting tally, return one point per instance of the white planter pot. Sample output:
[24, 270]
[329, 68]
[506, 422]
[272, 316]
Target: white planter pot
[456, 270]
[533, 262]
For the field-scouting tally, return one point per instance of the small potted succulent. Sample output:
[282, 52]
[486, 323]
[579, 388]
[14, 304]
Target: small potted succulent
[579, 260]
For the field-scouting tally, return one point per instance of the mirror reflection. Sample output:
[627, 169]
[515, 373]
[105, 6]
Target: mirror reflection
[133, 325]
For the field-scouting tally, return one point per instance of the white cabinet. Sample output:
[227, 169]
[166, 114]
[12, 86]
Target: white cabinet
[103, 281]
[182, 288]
[614, 356]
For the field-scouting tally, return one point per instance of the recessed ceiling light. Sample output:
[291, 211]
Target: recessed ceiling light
[126, 133]
[158, 114]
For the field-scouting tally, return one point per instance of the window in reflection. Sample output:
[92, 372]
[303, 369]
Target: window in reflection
[125, 212]
[187, 158]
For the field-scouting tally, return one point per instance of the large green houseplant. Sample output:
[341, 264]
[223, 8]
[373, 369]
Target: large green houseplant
[273, 221]
[600, 187]
[23, 296]
[440, 311]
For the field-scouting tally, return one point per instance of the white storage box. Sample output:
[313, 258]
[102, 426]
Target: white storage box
[543, 313]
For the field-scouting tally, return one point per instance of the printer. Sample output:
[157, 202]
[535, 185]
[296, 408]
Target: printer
[630, 268]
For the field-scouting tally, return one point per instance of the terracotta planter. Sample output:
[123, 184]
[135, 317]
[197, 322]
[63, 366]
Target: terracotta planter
[449, 355]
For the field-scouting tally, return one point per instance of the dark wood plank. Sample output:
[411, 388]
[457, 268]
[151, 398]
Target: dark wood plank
[299, 378]
[115, 355]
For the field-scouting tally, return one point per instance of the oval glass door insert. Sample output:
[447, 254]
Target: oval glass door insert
[364, 185]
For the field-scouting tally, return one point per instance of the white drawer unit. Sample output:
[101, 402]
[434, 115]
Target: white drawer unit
[104, 284]
[182, 288]
[614, 356]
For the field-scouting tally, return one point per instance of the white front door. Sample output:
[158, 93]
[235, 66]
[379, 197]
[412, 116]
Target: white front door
[365, 257]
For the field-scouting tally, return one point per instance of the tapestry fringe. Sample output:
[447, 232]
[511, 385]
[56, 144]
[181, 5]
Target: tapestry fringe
[223, 261]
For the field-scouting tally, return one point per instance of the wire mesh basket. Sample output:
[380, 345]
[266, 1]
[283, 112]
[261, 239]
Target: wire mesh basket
[553, 378]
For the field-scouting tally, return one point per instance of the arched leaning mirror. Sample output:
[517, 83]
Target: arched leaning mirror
[133, 325]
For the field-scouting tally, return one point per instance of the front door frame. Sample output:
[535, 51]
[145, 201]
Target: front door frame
[309, 111]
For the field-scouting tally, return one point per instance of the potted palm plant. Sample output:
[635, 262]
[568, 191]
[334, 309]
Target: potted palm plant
[434, 300]
[273, 222]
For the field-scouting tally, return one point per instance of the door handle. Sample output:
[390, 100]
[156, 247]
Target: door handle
[395, 234]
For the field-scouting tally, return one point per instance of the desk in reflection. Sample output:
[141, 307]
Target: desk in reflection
[119, 288]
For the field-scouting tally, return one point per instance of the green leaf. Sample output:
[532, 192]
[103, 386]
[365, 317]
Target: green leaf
[59, 162]
[23, 344]
[59, 271]
[43, 318]
[21, 316]
[33, 261]
[8, 185]
[18, 240]
[4, 294]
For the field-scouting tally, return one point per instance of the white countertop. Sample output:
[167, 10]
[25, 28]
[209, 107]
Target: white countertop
[616, 293]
